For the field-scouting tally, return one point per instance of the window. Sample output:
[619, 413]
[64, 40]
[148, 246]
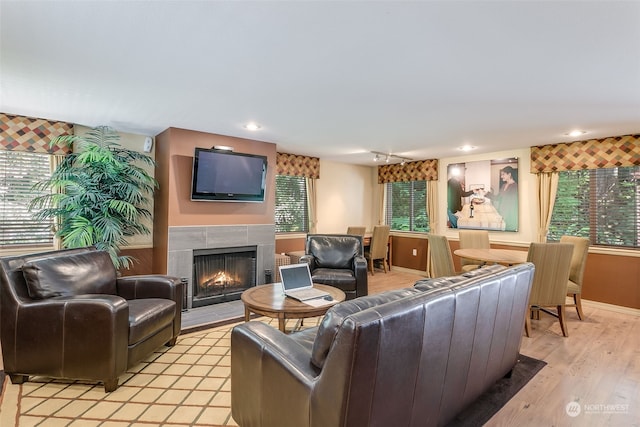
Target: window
[292, 211]
[407, 206]
[19, 170]
[602, 205]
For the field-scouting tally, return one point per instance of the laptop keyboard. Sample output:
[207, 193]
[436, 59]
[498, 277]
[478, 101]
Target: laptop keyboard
[304, 294]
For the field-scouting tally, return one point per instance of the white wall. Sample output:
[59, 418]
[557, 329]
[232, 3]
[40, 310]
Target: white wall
[346, 196]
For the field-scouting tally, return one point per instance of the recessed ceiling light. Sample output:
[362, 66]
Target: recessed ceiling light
[252, 126]
[575, 133]
[467, 148]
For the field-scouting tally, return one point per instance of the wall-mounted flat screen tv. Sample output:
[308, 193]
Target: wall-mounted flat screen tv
[227, 176]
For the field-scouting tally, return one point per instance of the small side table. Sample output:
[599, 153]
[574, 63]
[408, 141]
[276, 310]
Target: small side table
[270, 301]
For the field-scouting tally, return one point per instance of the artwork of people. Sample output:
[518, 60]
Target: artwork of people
[483, 195]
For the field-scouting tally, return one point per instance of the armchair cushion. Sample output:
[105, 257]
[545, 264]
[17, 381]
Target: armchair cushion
[338, 277]
[147, 316]
[74, 274]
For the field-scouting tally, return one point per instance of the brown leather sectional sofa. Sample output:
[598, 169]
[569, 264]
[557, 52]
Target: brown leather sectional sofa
[411, 357]
[66, 314]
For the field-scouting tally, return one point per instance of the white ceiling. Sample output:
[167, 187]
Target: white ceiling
[334, 79]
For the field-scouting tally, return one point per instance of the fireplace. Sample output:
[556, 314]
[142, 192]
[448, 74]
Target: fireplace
[222, 274]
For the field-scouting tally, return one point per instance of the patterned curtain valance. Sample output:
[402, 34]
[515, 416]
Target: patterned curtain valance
[295, 165]
[615, 151]
[420, 170]
[18, 133]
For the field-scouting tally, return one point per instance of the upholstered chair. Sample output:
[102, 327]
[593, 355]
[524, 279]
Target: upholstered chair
[337, 260]
[578, 262]
[357, 231]
[66, 314]
[549, 289]
[379, 246]
[473, 239]
[439, 256]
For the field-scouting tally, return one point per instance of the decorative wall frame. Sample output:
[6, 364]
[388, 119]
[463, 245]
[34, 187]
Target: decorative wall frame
[490, 202]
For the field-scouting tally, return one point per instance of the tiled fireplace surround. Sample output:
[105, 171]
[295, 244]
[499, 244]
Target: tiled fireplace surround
[184, 240]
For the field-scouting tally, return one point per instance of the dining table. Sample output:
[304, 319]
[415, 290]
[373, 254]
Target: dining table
[493, 256]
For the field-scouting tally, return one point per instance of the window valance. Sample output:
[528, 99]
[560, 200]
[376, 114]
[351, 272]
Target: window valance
[419, 170]
[615, 151]
[18, 133]
[296, 165]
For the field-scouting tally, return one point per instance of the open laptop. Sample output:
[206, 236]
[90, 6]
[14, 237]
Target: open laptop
[297, 284]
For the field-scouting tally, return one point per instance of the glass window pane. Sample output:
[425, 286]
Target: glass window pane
[600, 204]
[19, 171]
[407, 206]
[292, 213]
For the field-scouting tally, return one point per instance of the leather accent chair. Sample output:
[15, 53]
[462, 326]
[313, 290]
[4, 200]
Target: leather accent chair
[358, 231]
[379, 247]
[439, 256]
[473, 239]
[578, 263]
[336, 260]
[66, 314]
[549, 288]
[409, 357]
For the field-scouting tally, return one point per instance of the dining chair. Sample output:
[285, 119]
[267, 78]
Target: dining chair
[356, 230]
[439, 256]
[473, 239]
[578, 263]
[549, 288]
[378, 247]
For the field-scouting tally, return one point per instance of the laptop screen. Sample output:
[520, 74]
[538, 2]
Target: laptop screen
[295, 276]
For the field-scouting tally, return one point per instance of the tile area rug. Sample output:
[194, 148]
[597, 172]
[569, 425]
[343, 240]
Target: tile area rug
[185, 385]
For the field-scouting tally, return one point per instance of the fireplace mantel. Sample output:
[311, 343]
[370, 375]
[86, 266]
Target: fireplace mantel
[182, 241]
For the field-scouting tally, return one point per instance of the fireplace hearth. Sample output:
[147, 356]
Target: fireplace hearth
[222, 274]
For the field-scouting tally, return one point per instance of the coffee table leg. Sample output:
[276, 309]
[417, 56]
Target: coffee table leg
[247, 314]
[282, 322]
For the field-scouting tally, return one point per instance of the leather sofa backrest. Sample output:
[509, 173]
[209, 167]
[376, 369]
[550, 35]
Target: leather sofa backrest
[333, 319]
[70, 274]
[451, 342]
[333, 250]
[335, 315]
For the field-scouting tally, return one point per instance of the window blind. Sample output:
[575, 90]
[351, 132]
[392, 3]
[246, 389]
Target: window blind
[602, 205]
[406, 208]
[19, 171]
[292, 211]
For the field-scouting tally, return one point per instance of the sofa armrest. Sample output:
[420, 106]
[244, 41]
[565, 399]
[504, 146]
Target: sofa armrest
[154, 286]
[309, 259]
[271, 377]
[150, 286]
[57, 336]
[360, 271]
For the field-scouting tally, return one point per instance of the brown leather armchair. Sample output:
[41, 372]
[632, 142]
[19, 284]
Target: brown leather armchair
[66, 314]
[337, 260]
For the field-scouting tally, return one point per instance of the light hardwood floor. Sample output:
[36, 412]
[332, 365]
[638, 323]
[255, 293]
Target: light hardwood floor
[595, 370]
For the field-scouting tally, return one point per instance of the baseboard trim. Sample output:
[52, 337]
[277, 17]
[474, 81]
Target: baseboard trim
[611, 307]
[409, 270]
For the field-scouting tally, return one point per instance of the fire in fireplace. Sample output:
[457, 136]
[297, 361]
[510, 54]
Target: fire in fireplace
[221, 275]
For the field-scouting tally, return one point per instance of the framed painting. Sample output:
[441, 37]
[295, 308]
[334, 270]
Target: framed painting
[483, 195]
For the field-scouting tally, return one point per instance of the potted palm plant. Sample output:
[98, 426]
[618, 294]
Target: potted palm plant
[99, 194]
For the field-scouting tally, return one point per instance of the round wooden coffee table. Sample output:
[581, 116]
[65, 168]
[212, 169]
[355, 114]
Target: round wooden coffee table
[270, 301]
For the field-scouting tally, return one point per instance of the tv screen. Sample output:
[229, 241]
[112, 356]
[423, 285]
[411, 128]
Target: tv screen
[227, 176]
